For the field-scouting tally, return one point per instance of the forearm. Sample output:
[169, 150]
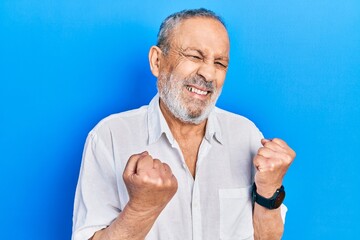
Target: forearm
[130, 224]
[268, 224]
[272, 162]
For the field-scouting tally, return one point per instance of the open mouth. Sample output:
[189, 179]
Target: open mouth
[197, 91]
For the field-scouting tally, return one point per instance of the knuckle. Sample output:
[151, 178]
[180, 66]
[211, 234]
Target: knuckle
[156, 163]
[145, 179]
[276, 140]
[289, 158]
[125, 178]
[281, 163]
[133, 156]
[168, 183]
[257, 159]
[272, 166]
[174, 183]
[167, 168]
[157, 160]
[261, 150]
[279, 141]
[160, 183]
[261, 158]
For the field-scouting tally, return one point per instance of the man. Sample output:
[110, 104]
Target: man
[181, 168]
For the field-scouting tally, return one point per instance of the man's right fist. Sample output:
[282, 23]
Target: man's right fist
[149, 182]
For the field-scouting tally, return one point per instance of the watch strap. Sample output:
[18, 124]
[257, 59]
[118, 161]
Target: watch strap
[270, 203]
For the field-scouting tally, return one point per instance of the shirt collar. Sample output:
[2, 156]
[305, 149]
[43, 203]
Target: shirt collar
[213, 130]
[157, 124]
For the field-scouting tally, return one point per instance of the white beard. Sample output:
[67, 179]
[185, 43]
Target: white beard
[171, 93]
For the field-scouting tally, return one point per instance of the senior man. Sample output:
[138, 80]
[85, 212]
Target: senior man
[180, 168]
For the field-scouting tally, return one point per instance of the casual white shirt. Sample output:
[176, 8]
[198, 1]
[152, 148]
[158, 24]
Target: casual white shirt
[215, 205]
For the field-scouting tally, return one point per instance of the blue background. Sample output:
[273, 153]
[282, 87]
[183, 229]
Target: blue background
[64, 65]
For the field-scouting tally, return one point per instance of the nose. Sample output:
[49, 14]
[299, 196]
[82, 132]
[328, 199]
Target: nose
[207, 71]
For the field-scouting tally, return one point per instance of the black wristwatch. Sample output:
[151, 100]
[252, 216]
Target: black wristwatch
[270, 203]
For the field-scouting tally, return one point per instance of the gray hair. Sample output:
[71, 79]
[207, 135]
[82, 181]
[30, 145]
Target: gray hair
[168, 25]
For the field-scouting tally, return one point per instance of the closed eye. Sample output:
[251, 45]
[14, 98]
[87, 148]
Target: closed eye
[221, 64]
[194, 57]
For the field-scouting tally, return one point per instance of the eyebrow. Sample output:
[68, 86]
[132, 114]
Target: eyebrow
[203, 54]
[194, 49]
[223, 58]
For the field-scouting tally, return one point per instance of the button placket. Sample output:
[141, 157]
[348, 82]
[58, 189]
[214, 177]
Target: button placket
[196, 212]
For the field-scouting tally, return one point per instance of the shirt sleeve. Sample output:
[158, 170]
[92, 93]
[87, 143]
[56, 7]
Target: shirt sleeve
[96, 202]
[256, 137]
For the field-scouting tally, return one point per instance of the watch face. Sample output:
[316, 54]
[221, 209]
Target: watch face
[279, 199]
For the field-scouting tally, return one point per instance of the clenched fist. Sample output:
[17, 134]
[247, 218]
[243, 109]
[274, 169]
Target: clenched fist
[272, 162]
[149, 182]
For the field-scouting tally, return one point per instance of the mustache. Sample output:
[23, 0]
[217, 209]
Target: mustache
[200, 82]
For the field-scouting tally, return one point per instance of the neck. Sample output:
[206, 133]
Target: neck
[181, 129]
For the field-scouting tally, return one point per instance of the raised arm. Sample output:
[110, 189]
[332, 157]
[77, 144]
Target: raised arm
[151, 185]
[272, 162]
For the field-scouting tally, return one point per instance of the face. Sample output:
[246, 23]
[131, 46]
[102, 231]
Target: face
[192, 73]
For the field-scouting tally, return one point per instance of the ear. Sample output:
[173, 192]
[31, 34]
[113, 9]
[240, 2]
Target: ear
[154, 60]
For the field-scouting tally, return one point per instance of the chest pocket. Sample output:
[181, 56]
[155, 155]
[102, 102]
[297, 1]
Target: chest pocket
[236, 214]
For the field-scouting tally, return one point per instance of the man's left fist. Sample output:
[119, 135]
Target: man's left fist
[272, 162]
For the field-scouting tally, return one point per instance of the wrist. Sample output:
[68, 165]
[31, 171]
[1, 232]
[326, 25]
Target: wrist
[141, 211]
[272, 202]
[266, 192]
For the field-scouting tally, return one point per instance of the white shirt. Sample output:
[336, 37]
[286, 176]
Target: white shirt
[215, 205]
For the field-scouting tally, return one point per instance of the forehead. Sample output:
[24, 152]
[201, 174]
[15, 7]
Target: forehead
[205, 34]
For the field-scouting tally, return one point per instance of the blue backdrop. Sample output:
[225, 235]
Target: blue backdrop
[64, 65]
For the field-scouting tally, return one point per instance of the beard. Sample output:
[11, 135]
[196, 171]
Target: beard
[187, 109]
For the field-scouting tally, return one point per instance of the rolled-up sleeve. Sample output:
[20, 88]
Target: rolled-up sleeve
[96, 202]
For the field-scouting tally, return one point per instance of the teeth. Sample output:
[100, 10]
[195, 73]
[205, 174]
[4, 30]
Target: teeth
[197, 91]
